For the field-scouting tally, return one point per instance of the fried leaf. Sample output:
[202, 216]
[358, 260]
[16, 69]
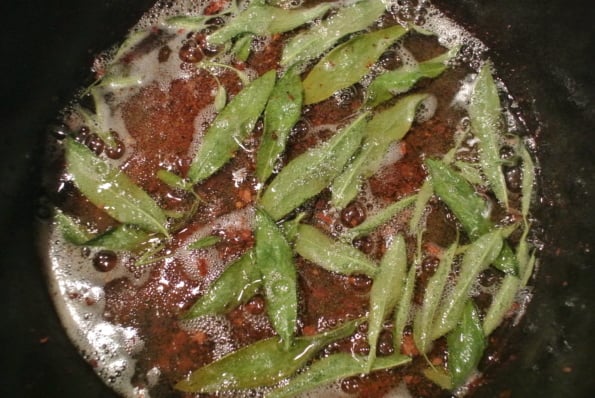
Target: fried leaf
[319, 38]
[466, 344]
[111, 190]
[274, 260]
[478, 256]
[401, 80]
[385, 128]
[423, 197]
[347, 63]
[378, 219]
[260, 364]
[335, 256]
[236, 285]
[204, 242]
[386, 290]
[231, 127]
[311, 172]
[528, 181]
[334, 367]
[122, 237]
[469, 208]
[404, 308]
[282, 112]
[501, 303]
[424, 318]
[71, 229]
[265, 20]
[242, 47]
[485, 114]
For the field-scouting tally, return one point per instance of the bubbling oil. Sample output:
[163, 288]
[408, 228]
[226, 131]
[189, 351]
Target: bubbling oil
[78, 290]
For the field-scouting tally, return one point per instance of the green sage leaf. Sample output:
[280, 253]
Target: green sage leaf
[335, 256]
[347, 63]
[265, 20]
[376, 220]
[478, 256]
[237, 284]
[404, 308]
[231, 127]
[122, 237]
[423, 197]
[311, 172]
[424, 318]
[332, 368]
[398, 81]
[319, 38]
[501, 303]
[260, 364]
[485, 114]
[111, 190]
[386, 291]
[469, 208]
[71, 229]
[528, 181]
[243, 46]
[466, 344]
[385, 128]
[274, 260]
[282, 112]
[204, 242]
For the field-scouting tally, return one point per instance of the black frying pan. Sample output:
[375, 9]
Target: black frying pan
[544, 49]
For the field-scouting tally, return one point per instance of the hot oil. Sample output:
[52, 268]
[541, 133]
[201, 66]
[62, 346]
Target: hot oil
[97, 308]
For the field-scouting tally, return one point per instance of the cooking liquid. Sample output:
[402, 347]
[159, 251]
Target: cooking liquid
[126, 321]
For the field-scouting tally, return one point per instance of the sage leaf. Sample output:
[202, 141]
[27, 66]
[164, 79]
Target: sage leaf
[71, 229]
[424, 318]
[485, 115]
[282, 111]
[501, 303]
[262, 363]
[265, 20]
[236, 285]
[319, 38]
[439, 376]
[204, 242]
[274, 260]
[423, 197]
[376, 220]
[466, 344]
[528, 181]
[347, 63]
[111, 190]
[469, 208]
[385, 128]
[311, 172]
[404, 308]
[386, 290]
[478, 256]
[335, 256]
[242, 47]
[122, 237]
[231, 127]
[398, 81]
[332, 368]
[174, 181]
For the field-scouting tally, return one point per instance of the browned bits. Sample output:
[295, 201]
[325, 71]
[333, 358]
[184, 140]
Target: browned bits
[94, 143]
[105, 260]
[207, 49]
[350, 385]
[353, 215]
[255, 305]
[115, 151]
[385, 343]
[359, 282]
[364, 244]
[164, 53]
[190, 52]
[514, 178]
